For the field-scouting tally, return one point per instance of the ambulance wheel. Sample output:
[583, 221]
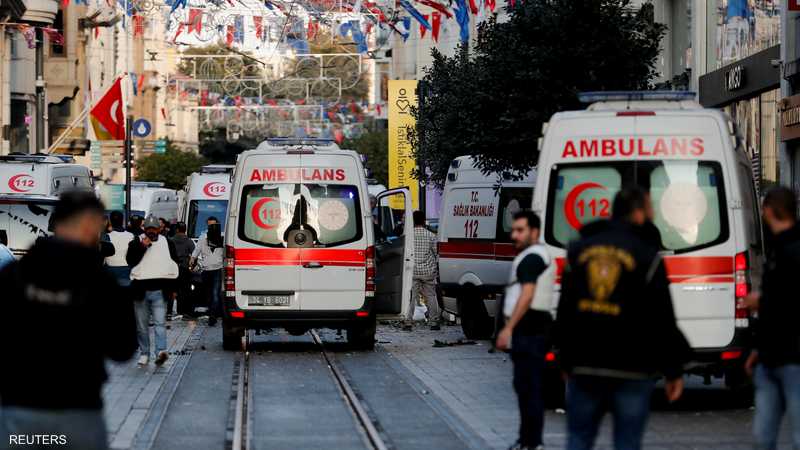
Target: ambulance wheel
[475, 321]
[231, 337]
[362, 335]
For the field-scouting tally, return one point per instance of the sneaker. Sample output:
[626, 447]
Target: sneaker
[162, 358]
[518, 446]
[212, 321]
[408, 326]
[435, 326]
[143, 360]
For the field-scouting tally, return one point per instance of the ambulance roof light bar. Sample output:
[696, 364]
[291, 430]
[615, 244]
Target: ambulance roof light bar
[216, 168]
[286, 141]
[48, 159]
[628, 96]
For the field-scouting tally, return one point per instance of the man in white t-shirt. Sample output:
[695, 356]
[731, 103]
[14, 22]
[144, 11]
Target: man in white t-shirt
[209, 253]
[117, 264]
[526, 307]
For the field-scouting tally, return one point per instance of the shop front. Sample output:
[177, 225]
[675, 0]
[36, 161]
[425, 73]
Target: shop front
[749, 91]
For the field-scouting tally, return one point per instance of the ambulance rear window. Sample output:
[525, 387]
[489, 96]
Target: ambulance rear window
[688, 200]
[330, 211]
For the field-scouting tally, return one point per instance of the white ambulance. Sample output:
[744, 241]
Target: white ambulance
[300, 244]
[706, 207]
[29, 187]
[207, 195]
[152, 198]
[475, 249]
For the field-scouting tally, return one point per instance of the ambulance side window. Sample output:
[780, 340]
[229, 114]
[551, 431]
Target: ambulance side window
[511, 201]
[750, 205]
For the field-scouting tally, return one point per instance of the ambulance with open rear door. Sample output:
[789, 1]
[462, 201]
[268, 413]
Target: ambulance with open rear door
[301, 251]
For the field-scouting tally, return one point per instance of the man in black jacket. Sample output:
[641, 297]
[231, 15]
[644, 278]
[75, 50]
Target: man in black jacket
[154, 268]
[64, 314]
[776, 357]
[615, 326]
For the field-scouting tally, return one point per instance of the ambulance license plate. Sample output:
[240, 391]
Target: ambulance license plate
[268, 300]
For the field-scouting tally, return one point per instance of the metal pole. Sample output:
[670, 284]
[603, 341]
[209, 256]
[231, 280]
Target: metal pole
[40, 100]
[128, 158]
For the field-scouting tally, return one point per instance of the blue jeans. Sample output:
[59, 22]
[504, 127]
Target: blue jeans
[527, 354]
[73, 429]
[777, 393]
[589, 398]
[212, 281]
[122, 274]
[152, 303]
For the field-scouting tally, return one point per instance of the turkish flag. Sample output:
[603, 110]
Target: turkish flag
[794, 5]
[108, 115]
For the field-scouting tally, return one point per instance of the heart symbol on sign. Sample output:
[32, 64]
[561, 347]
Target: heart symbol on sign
[403, 104]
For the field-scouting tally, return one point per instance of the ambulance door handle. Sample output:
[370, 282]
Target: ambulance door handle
[312, 265]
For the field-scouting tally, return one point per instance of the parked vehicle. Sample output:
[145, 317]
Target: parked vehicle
[207, 195]
[475, 249]
[29, 187]
[300, 244]
[693, 163]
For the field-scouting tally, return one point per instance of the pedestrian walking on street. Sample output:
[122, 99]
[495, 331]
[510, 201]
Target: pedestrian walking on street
[154, 267]
[615, 328]
[208, 254]
[184, 247]
[63, 315]
[526, 307]
[120, 239]
[426, 270]
[775, 361]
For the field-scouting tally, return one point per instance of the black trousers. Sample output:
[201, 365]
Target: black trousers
[528, 354]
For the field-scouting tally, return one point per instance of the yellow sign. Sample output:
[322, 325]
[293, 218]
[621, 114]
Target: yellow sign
[402, 97]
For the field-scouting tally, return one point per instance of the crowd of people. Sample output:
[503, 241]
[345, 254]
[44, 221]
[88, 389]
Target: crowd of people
[615, 329]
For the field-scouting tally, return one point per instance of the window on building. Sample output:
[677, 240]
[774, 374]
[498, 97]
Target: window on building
[58, 25]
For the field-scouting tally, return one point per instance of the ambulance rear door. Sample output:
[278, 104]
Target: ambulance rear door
[333, 264]
[267, 264]
[394, 254]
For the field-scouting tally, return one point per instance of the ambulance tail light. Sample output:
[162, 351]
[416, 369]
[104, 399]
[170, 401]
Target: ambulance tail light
[230, 271]
[742, 282]
[369, 264]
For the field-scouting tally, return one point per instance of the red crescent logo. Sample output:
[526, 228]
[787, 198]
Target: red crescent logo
[572, 197]
[256, 216]
[21, 183]
[214, 189]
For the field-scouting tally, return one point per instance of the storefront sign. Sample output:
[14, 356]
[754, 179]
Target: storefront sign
[734, 78]
[790, 118]
[402, 98]
[741, 80]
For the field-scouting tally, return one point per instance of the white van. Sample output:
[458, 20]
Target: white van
[151, 197]
[706, 208]
[300, 244]
[207, 195]
[475, 249]
[29, 187]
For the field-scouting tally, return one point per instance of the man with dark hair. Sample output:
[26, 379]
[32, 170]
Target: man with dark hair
[117, 264]
[52, 380]
[209, 253]
[776, 357]
[426, 270]
[154, 268]
[135, 226]
[615, 327]
[184, 247]
[526, 307]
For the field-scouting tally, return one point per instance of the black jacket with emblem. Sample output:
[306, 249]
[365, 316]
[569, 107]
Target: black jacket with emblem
[64, 314]
[615, 315]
